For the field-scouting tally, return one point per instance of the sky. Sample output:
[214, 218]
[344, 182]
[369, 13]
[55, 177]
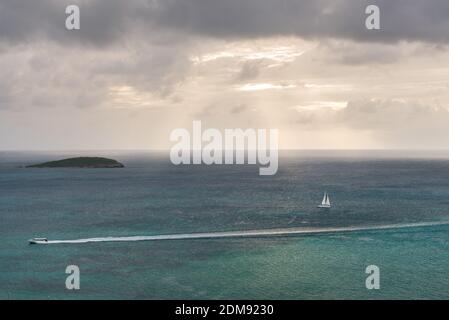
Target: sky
[138, 69]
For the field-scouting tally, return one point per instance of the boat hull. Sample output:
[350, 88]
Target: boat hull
[32, 241]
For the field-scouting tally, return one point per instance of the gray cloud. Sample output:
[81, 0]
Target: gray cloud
[221, 109]
[52, 76]
[168, 61]
[350, 53]
[400, 19]
[239, 109]
[396, 123]
[392, 115]
[104, 22]
[250, 70]
[389, 114]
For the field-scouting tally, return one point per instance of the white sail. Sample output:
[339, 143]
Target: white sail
[324, 199]
[328, 201]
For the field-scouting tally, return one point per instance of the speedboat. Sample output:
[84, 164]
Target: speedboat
[38, 241]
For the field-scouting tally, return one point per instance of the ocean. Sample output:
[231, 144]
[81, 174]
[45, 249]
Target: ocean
[150, 197]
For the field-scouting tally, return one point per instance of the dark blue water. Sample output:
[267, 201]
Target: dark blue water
[150, 196]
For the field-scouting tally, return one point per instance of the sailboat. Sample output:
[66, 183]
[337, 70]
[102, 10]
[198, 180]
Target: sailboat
[326, 203]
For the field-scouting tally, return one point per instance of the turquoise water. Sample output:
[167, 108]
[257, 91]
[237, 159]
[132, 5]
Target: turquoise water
[150, 197]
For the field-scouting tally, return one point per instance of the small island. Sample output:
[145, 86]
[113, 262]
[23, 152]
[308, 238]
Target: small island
[80, 162]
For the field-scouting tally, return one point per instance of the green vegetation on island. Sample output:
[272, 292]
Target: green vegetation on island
[80, 162]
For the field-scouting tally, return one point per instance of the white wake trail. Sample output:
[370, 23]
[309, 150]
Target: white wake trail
[248, 233]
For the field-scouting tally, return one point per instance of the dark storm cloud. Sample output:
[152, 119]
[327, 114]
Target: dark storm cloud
[104, 21]
[400, 19]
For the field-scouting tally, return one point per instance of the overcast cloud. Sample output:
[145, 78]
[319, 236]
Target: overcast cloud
[138, 69]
